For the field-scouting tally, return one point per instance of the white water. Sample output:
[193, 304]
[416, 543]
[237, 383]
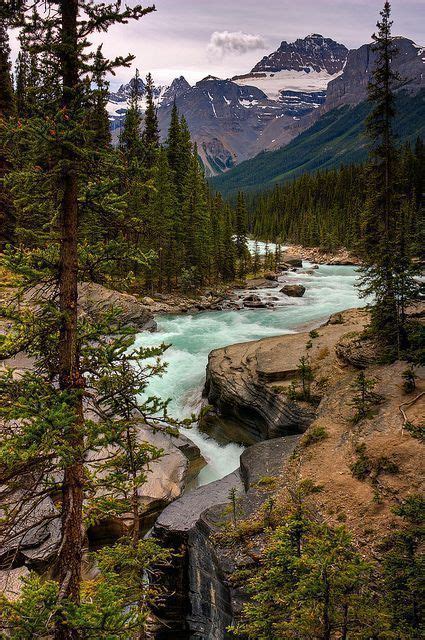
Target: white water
[328, 289]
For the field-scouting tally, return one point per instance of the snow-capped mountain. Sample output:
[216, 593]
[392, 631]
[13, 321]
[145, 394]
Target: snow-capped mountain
[306, 65]
[233, 120]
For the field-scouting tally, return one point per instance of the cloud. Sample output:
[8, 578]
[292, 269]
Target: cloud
[233, 42]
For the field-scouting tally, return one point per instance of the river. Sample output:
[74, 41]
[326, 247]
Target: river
[328, 289]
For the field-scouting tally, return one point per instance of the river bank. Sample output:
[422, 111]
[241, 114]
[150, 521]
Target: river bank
[313, 441]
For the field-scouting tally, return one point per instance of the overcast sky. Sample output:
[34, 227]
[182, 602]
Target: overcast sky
[195, 38]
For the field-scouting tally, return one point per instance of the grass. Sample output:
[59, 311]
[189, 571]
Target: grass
[314, 435]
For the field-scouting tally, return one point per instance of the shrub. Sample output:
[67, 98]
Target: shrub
[314, 435]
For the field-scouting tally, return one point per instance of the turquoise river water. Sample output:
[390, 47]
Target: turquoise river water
[328, 289]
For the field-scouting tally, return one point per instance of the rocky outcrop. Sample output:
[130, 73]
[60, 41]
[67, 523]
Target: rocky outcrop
[199, 595]
[94, 300]
[249, 381]
[350, 87]
[204, 601]
[166, 480]
[313, 53]
[240, 385]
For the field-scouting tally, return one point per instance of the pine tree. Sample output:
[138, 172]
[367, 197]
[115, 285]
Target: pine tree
[164, 218]
[131, 136]
[386, 273]
[403, 570]
[7, 110]
[150, 137]
[173, 140]
[62, 36]
[241, 233]
[311, 583]
[98, 117]
[364, 398]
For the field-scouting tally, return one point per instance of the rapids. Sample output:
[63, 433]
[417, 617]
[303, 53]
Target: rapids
[328, 289]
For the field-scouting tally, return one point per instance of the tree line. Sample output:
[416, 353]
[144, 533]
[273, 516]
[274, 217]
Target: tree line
[147, 200]
[325, 209]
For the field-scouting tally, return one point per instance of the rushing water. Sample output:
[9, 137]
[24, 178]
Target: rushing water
[328, 289]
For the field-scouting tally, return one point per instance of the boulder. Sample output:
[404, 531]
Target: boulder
[292, 262]
[94, 300]
[255, 305]
[293, 290]
[261, 283]
[34, 540]
[165, 481]
[271, 275]
[252, 298]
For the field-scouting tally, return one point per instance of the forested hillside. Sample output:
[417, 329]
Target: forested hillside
[325, 209]
[337, 138]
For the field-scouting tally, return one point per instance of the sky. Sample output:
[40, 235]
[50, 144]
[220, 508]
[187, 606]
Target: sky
[224, 38]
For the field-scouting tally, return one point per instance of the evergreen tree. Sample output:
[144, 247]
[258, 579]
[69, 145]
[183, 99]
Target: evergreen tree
[61, 35]
[7, 110]
[131, 138]
[164, 219]
[150, 137]
[98, 117]
[173, 140]
[364, 397]
[404, 570]
[387, 272]
[312, 584]
[241, 233]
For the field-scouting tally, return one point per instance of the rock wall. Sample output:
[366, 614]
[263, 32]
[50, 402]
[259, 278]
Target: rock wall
[243, 382]
[204, 601]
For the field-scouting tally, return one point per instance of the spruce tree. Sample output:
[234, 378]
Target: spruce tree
[150, 137]
[7, 111]
[131, 138]
[386, 273]
[61, 34]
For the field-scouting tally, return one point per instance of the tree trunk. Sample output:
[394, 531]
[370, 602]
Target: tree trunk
[70, 379]
[326, 605]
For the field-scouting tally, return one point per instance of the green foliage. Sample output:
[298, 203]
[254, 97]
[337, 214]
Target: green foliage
[305, 373]
[364, 398]
[387, 272]
[313, 334]
[314, 435]
[366, 467]
[409, 379]
[404, 570]
[416, 431]
[107, 606]
[233, 497]
[311, 583]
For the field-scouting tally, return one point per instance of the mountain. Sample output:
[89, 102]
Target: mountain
[233, 120]
[336, 138]
[306, 65]
[335, 134]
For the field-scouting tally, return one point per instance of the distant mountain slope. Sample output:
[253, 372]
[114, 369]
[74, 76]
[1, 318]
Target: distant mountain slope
[336, 138]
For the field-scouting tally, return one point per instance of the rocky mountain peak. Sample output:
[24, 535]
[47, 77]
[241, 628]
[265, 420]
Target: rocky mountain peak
[179, 86]
[312, 53]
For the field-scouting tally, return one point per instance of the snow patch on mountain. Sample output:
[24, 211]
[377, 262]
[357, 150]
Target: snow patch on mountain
[273, 84]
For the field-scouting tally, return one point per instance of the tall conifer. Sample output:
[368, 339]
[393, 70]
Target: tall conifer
[150, 136]
[386, 272]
